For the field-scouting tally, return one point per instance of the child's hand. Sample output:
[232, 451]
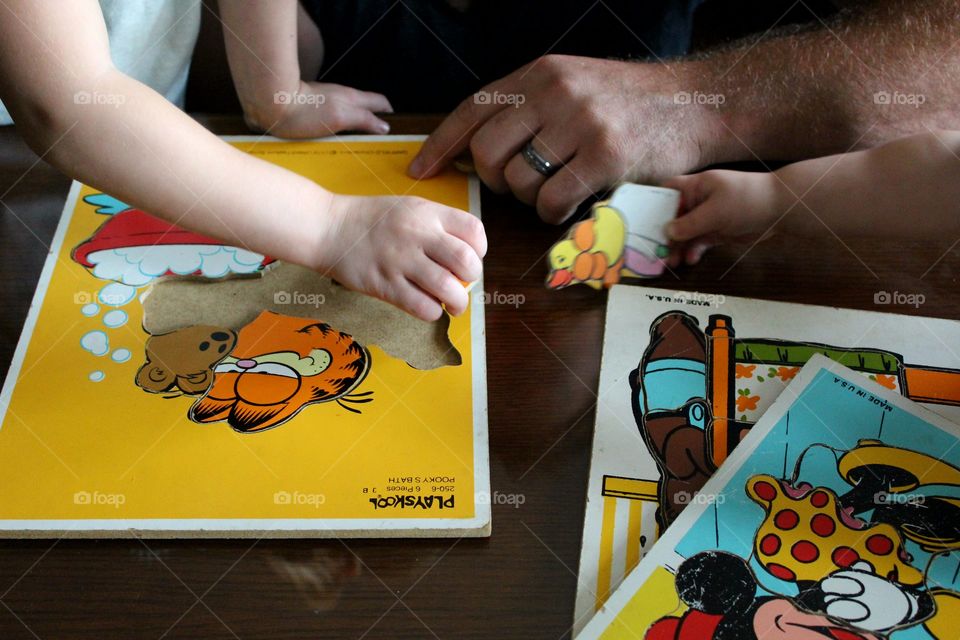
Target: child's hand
[411, 252]
[317, 110]
[719, 206]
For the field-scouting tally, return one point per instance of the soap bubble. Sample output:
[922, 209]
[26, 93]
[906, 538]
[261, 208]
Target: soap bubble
[96, 376]
[120, 355]
[115, 318]
[116, 294]
[90, 310]
[96, 342]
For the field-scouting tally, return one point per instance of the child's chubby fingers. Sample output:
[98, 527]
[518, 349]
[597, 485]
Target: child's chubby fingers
[468, 228]
[345, 117]
[680, 183]
[376, 102]
[693, 189]
[456, 256]
[368, 100]
[700, 221]
[675, 257]
[438, 282]
[693, 253]
[363, 120]
[346, 109]
[689, 253]
[411, 298]
[682, 229]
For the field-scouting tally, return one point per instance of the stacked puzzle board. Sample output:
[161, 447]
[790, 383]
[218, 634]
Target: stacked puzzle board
[686, 376]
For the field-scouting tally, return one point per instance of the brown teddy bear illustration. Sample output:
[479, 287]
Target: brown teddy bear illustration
[184, 359]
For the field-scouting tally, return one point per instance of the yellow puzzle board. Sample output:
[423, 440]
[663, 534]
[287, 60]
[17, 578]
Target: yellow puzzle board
[85, 452]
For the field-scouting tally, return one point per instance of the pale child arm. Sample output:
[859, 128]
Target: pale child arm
[908, 188]
[262, 48]
[143, 150]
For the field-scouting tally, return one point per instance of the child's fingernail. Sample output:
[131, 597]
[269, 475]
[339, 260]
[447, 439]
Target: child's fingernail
[383, 127]
[697, 254]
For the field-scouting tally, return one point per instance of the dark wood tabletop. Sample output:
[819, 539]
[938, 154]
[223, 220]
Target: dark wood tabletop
[543, 368]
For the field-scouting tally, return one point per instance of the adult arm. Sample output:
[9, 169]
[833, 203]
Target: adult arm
[877, 71]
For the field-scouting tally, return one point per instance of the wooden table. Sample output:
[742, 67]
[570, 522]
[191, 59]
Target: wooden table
[543, 362]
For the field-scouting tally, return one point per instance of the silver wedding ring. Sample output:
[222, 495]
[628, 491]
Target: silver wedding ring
[537, 162]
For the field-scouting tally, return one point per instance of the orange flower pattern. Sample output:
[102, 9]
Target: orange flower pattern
[745, 370]
[887, 381]
[746, 401]
[786, 374]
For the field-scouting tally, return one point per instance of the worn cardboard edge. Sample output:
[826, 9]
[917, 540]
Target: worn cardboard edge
[99, 529]
[419, 137]
[478, 350]
[39, 294]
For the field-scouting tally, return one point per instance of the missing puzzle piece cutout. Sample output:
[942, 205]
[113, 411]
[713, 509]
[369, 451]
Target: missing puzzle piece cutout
[231, 304]
[625, 237]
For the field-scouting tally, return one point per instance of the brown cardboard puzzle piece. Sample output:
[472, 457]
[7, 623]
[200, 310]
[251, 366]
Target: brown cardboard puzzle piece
[177, 303]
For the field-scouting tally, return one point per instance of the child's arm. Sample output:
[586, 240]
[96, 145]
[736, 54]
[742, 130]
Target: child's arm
[908, 188]
[262, 47]
[131, 143]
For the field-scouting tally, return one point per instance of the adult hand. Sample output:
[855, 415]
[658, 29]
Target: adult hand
[603, 121]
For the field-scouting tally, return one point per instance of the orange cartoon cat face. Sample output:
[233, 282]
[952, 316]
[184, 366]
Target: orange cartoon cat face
[278, 366]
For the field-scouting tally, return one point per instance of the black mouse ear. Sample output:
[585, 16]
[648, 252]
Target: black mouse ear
[716, 582]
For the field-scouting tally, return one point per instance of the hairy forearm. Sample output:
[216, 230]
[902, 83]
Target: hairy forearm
[903, 189]
[261, 43]
[882, 70]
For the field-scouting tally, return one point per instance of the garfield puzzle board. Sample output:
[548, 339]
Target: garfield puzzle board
[837, 516]
[683, 377]
[285, 427]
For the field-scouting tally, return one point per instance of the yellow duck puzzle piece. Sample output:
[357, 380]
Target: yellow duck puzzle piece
[593, 252]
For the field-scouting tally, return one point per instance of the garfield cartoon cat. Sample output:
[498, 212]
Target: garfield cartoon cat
[279, 366]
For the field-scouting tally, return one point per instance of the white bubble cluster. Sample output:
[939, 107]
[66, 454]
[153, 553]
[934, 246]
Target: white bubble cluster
[138, 266]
